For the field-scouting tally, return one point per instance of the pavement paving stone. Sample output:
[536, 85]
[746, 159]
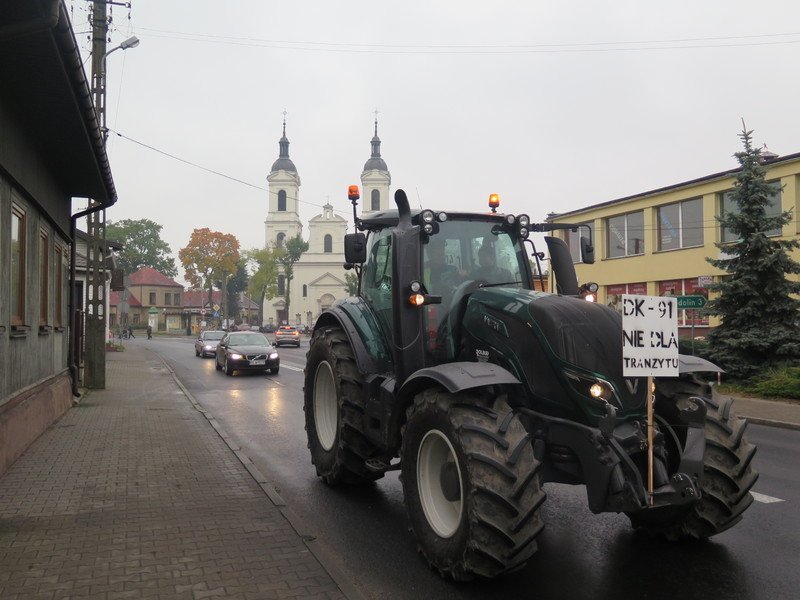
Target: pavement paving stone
[132, 494]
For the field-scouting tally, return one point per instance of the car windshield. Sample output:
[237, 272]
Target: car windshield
[248, 339]
[213, 335]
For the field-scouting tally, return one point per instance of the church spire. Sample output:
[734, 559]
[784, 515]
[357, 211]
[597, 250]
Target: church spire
[376, 142]
[375, 161]
[284, 162]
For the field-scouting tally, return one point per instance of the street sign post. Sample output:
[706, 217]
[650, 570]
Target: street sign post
[691, 301]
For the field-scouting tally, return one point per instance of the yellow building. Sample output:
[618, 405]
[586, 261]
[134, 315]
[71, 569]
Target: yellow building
[656, 242]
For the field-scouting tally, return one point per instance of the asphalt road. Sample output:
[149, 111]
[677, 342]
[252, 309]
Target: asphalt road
[580, 556]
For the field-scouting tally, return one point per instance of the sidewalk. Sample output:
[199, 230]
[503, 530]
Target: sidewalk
[133, 494]
[777, 413]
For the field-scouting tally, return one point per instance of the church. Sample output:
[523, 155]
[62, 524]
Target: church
[319, 277]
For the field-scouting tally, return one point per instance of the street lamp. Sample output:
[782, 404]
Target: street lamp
[131, 42]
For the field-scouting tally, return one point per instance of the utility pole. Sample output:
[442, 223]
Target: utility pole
[95, 357]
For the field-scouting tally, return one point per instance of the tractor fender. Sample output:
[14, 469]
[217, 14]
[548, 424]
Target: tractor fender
[340, 315]
[695, 364]
[457, 376]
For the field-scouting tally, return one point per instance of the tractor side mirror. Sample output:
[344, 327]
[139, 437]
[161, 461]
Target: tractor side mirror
[355, 248]
[587, 250]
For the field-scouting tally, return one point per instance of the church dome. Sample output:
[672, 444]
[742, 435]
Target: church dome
[284, 163]
[375, 162]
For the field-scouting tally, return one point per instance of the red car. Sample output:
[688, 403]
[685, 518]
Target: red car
[286, 334]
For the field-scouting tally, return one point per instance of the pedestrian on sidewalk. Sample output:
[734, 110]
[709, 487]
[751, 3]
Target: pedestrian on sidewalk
[130, 332]
[149, 331]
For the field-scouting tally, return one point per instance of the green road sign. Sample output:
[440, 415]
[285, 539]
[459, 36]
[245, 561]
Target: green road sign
[691, 301]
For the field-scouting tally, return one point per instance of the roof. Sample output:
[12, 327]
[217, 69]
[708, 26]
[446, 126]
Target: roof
[771, 162]
[148, 276]
[49, 97]
[199, 298]
[115, 298]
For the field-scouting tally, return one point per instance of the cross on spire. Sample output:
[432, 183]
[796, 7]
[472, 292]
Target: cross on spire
[376, 120]
[284, 122]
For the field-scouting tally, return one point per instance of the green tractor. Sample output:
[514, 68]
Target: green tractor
[449, 360]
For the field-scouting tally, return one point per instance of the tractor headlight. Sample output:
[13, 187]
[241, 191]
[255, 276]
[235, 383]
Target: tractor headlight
[442, 216]
[510, 219]
[427, 216]
[523, 233]
[427, 228]
[592, 387]
[523, 220]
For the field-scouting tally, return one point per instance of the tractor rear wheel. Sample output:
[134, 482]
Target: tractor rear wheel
[471, 484]
[728, 474]
[334, 405]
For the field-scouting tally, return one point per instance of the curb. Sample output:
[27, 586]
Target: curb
[772, 423]
[323, 555]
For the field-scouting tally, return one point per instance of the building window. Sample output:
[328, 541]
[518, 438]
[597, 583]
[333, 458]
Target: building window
[614, 293]
[685, 287]
[328, 243]
[625, 235]
[44, 277]
[309, 318]
[176, 299]
[376, 200]
[17, 265]
[573, 239]
[297, 318]
[279, 239]
[281, 285]
[282, 201]
[135, 318]
[680, 225]
[168, 299]
[152, 298]
[61, 276]
[772, 209]
[305, 290]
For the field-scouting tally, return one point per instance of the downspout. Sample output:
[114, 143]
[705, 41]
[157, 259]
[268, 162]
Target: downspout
[73, 367]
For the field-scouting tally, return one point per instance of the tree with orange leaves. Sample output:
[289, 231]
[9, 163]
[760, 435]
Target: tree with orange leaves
[209, 256]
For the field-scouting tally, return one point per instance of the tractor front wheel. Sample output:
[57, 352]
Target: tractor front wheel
[471, 484]
[728, 474]
[334, 405]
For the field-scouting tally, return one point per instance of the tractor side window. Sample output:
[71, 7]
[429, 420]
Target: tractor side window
[376, 282]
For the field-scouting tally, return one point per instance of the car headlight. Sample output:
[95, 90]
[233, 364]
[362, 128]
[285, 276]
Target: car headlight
[274, 355]
[235, 356]
[208, 347]
[592, 387]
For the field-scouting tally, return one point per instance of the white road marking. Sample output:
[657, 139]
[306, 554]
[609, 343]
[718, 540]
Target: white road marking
[764, 498]
[291, 367]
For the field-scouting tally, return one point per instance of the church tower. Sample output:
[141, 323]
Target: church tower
[283, 217]
[375, 180]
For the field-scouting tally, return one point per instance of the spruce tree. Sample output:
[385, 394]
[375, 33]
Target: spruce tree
[759, 316]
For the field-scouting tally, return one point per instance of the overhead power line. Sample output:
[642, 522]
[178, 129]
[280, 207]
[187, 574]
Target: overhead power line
[215, 172]
[766, 39]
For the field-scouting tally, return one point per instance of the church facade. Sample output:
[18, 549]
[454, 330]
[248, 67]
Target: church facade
[319, 277]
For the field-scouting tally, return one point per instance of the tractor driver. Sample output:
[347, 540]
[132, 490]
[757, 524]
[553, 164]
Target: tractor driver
[440, 277]
[488, 270]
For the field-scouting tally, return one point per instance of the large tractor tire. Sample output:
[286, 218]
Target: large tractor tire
[471, 484]
[728, 474]
[334, 405]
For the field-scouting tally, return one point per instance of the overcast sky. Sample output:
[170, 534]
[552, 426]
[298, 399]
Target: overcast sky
[553, 105]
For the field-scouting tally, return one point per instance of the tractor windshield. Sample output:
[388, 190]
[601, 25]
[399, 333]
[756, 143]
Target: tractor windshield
[463, 256]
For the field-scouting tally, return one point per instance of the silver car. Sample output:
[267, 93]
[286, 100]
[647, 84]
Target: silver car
[206, 343]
